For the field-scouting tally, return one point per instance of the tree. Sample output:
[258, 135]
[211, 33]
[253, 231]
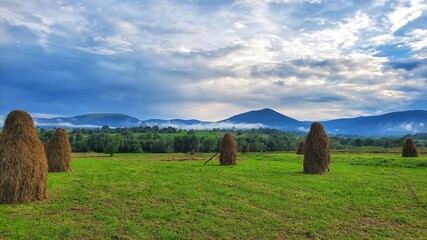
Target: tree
[163, 145]
[80, 146]
[97, 142]
[112, 147]
[208, 144]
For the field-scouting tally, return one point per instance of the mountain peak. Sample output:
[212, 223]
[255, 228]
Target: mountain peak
[267, 110]
[265, 116]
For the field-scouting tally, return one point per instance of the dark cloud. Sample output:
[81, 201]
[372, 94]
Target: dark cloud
[408, 65]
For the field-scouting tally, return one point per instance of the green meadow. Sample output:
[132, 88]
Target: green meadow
[266, 196]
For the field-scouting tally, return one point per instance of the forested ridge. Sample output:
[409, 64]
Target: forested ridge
[170, 139]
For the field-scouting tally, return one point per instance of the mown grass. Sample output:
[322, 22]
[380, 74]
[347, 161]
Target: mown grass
[376, 149]
[266, 196]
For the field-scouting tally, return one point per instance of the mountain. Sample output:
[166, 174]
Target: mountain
[89, 121]
[395, 123]
[173, 122]
[390, 124]
[268, 118]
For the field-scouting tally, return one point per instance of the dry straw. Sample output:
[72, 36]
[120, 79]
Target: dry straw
[316, 150]
[58, 151]
[300, 150]
[23, 164]
[409, 149]
[245, 148]
[228, 152]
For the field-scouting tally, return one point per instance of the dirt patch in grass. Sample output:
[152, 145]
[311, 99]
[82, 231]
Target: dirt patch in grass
[89, 155]
[173, 158]
[182, 159]
[81, 210]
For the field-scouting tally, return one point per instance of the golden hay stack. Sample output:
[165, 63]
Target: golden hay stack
[245, 148]
[300, 150]
[316, 150]
[23, 164]
[409, 149]
[58, 151]
[228, 152]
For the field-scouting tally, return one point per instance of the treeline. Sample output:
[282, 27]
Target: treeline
[417, 136]
[168, 140]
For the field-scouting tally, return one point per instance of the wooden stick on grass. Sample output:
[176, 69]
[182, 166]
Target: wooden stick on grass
[211, 158]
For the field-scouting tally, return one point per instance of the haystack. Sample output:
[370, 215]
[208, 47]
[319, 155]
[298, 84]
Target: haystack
[245, 148]
[300, 150]
[58, 151]
[228, 152]
[409, 149]
[316, 150]
[23, 164]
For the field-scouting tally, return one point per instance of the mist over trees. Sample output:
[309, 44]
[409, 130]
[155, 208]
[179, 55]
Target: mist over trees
[168, 140]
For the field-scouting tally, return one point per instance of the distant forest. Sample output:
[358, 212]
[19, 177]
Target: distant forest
[168, 140]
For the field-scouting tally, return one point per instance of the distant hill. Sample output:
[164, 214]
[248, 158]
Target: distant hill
[90, 121]
[390, 124]
[395, 123]
[268, 118]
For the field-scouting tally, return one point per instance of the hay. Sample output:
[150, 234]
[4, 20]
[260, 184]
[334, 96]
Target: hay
[409, 149]
[23, 164]
[245, 148]
[300, 150]
[228, 152]
[316, 150]
[58, 151]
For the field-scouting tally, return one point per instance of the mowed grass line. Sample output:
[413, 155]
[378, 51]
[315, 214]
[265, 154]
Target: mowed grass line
[266, 196]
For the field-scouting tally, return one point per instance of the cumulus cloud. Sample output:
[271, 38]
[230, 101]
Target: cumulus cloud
[309, 59]
[405, 12]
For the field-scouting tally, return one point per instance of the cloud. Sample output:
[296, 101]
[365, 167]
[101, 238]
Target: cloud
[64, 125]
[220, 125]
[406, 12]
[412, 127]
[44, 115]
[419, 39]
[309, 59]
[2, 119]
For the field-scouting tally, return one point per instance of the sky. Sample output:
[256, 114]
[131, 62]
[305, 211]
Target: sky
[209, 60]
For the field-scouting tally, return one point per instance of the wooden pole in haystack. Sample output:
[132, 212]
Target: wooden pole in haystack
[210, 158]
[316, 150]
[23, 164]
[409, 149]
[58, 151]
[228, 151]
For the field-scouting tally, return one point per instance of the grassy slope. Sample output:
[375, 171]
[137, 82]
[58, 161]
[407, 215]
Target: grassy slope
[266, 196]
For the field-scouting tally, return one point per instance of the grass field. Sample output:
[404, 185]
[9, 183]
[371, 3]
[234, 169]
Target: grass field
[266, 196]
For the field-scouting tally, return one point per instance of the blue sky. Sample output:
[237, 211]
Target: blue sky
[308, 59]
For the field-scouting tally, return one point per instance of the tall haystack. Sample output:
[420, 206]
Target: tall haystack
[228, 152]
[409, 149]
[316, 150]
[58, 151]
[23, 164]
[300, 150]
[245, 148]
